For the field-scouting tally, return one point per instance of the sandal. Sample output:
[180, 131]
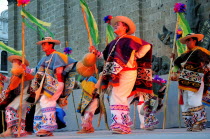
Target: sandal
[44, 133]
[3, 135]
[151, 128]
[119, 131]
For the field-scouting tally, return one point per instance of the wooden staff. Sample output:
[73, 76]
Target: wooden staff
[179, 119]
[102, 109]
[87, 28]
[67, 44]
[101, 95]
[89, 37]
[75, 111]
[168, 82]
[134, 114]
[2, 120]
[22, 78]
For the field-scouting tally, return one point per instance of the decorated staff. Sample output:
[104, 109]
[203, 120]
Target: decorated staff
[40, 28]
[181, 22]
[37, 22]
[89, 60]
[22, 3]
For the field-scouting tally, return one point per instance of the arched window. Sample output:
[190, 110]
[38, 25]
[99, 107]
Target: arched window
[3, 61]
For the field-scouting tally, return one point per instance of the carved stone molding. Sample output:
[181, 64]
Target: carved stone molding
[160, 65]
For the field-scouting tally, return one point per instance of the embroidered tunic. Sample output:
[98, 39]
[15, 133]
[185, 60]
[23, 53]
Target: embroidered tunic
[45, 117]
[119, 60]
[192, 72]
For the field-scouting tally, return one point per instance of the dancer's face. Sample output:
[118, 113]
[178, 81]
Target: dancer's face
[16, 62]
[119, 28]
[190, 43]
[46, 46]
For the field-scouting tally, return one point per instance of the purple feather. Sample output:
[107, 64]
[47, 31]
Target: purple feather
[179, 8]
[67, 50]
[108, 18]
[158, 79]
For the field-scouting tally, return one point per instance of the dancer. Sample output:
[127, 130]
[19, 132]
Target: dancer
[124, 56]
[192, 64]
[50, 67]
[12, 96]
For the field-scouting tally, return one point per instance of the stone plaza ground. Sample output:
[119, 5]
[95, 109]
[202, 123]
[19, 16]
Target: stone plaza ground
[172, 133]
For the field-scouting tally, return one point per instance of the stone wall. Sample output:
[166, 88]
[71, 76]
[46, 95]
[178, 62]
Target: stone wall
[67, 22]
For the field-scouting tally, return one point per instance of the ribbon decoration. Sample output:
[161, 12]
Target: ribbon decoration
[91, 22]
[109, 34]
[109, 30]
[40, 24]
[179, 9]
[9, 49]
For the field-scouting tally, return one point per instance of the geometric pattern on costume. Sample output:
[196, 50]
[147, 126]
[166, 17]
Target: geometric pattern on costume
[144, 80]
[49, 119]
[187, 117]
[206, 95]
[190, 78]
[45, 108]
[44, 117]
[112, 68]
[199, 115]
[117, 60]
[195, 116]
[69, 84]
[206, 99]
[121, 118]
[12, 120]
[50, 84]
[150, 107]
[144, 74]
[37, 123]
[88, 87]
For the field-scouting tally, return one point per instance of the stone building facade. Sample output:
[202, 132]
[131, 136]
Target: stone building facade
[4, 39]
[68, 26]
